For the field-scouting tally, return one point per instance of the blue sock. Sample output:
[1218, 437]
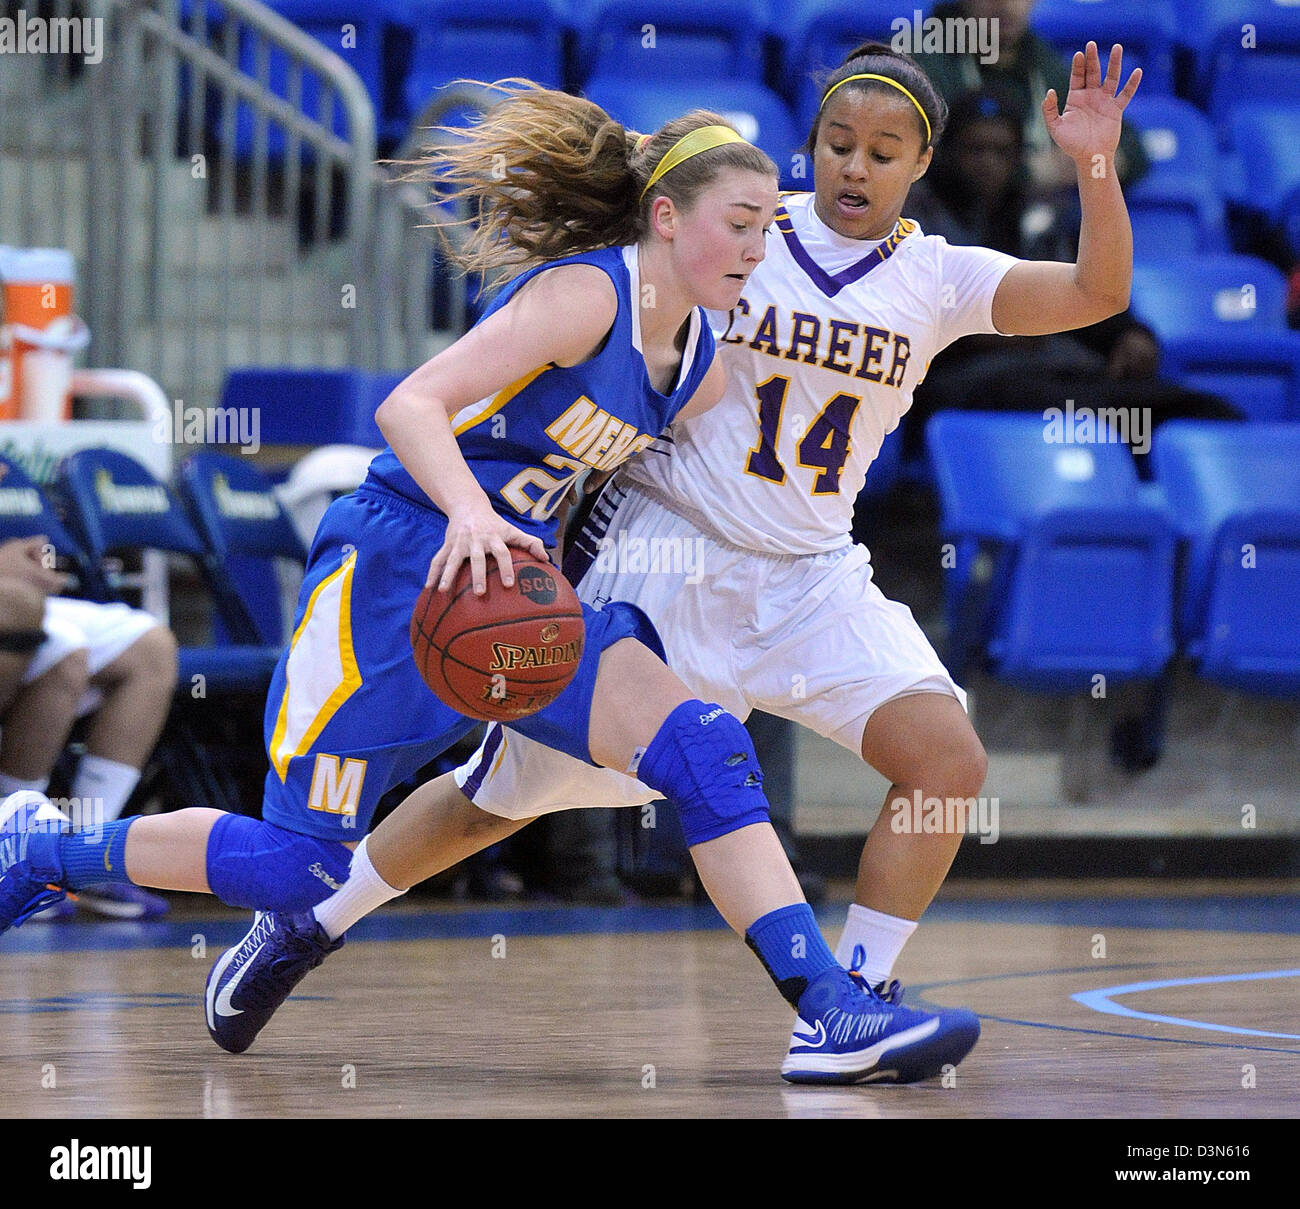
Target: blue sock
[791, 947]
[84, 858]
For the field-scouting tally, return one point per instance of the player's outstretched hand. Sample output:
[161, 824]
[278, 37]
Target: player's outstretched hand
[1090, 124]
[473, 533]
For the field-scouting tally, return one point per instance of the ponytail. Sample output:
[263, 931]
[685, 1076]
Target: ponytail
[548, 175]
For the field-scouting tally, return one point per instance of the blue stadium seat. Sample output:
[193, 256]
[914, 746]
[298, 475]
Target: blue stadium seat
[374, 39]
[1221, 322]
[886, 470]
[482, 40]
[1166, 230]
[1064, 569]
[116, 505]
[310, 406]
[816, 37]
[704, 40]
[240, 517]
[1180, 197]
[25, 512]
[1268, 70]
[759, 115]
[1266, 142]
[1147, 32]
[1236, 493]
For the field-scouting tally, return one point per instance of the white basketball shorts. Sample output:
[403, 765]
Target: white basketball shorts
[103, 631]
[806, 637]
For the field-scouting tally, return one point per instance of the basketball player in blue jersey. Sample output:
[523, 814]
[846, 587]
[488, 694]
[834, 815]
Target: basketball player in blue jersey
[615, 244]
[823, 350]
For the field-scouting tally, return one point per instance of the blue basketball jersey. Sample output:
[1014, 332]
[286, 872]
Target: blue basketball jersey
[528, 443]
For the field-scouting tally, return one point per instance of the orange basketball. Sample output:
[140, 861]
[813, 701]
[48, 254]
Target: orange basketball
[503, 655]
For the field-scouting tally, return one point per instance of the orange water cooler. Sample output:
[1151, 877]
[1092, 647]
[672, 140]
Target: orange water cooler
[39, 333]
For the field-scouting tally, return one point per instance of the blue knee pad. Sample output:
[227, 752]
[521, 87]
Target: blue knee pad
[702, 760]
[252, 863]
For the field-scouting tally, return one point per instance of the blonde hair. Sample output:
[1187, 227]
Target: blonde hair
[548, 175]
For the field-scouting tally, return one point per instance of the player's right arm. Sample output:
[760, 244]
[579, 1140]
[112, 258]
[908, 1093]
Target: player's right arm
[560, 316]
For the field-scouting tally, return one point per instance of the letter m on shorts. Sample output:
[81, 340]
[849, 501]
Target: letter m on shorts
[335, 789]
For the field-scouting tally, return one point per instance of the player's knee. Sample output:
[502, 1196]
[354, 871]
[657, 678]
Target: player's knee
[263, 867]
[69, 677]
[964, 767]
[153, 659]
[703, 761]
[22, 607]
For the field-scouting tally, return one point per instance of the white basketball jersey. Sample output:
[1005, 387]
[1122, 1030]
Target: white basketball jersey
[822, 354]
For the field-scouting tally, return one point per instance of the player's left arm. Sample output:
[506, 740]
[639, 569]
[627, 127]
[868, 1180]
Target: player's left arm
[1035, 298]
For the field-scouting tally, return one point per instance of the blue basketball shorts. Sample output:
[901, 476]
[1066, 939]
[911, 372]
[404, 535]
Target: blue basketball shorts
[348, 715]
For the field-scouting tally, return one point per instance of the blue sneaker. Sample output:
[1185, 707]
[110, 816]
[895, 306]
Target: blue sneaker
[122, 901]
[247, 983]
[847, 1033]
[26, 888]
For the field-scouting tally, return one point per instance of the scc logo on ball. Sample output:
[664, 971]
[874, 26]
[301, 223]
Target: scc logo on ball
[537, 585]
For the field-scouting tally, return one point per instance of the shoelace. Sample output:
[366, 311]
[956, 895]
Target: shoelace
[890, 993]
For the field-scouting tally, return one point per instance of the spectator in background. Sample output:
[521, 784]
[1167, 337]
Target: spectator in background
[1025, 68]
[61, 660]
[976, 193]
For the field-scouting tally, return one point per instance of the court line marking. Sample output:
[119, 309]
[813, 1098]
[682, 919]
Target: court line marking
[1101, 1001]
[916, 998]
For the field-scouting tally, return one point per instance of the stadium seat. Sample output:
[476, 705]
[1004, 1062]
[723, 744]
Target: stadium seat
[759, 115]
[244, 524]
[704, 41]
[1063, 568]
[1180, 197]
[886, 470]
[1146, 31]
[310, 406]
[25, 512]
[1236, 493]
[816, 37]
[115, 505]
[483, 40]
[1254, 55]
[373, 39]
[1221, 322]
[1266, 144]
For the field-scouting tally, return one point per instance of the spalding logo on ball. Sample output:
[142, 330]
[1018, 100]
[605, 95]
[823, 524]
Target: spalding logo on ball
[503, 655]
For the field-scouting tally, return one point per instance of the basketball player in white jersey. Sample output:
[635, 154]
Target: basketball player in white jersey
[776, 608]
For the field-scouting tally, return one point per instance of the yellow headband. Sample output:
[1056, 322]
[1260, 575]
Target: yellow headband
[705, 138]
[866, 75]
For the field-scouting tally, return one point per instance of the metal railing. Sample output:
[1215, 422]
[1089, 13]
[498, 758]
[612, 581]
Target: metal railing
[214, 172]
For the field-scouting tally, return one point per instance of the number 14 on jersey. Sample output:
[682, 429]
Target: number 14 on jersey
[824, 447]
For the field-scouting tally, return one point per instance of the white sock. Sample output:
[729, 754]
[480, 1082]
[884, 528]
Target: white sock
[102, 787]
[359, 895]
[10, 784]
[881, 936]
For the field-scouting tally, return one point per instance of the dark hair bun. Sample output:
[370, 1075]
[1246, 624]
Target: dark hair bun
[871, 48]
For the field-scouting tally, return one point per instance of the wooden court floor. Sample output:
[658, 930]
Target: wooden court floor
[548, 1012]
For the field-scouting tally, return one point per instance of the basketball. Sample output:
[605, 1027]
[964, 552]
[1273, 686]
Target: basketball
[503, 655]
